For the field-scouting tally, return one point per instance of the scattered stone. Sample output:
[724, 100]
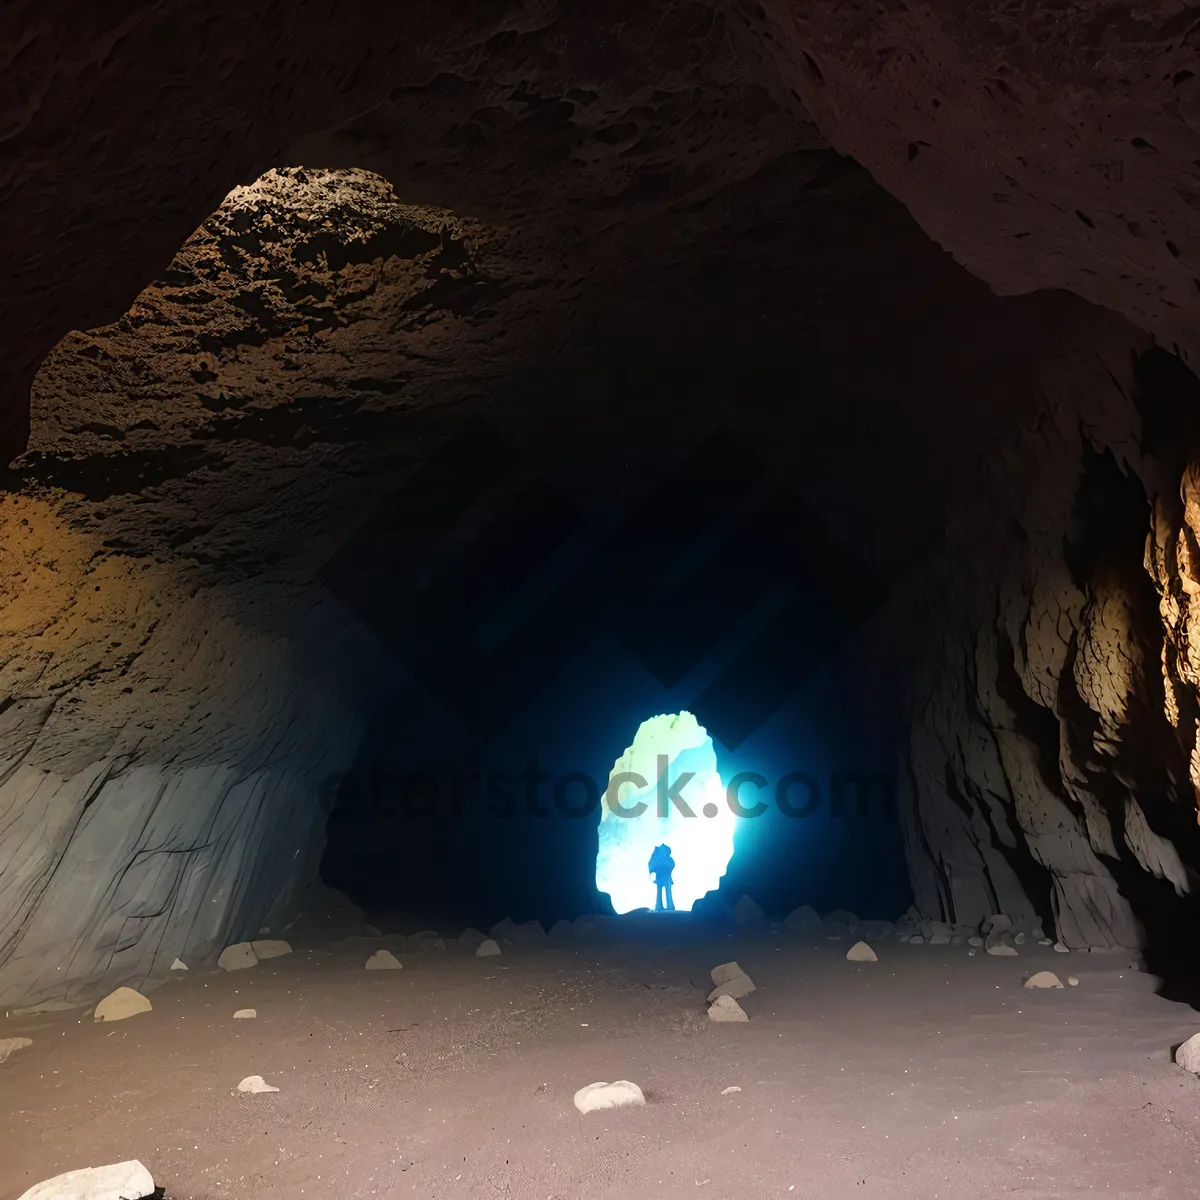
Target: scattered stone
[1059, 948]
[975, 941]
[1043, 941]
[861, 952]
[272, 948]
[120, 1181]
[384, 960]
[729, 1091]
[12, 1045]
[237, 957]
[1188, 1054]
[1002, 947]
[179, 965]
[246, 1014]
[487, 947]
[996, 923]
[730, 980]
[1043, 979]
[1072, 981]
[621, 1094]
[726, 1008]
[803, 919]
[255, 1084]
[124, 1002]
[745, 911]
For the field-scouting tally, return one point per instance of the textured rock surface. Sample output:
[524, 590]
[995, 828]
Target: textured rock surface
[120, 1181]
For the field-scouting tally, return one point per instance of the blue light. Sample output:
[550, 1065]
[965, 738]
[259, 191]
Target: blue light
[665, 749]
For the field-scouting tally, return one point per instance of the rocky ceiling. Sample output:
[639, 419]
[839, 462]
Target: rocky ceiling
[263, 256]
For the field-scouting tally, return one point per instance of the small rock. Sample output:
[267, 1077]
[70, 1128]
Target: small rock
[384, 960]
[620, 1094]
[124, 1002]
[245, 1014]
[237, 957]
[1043, 979]
[745, 911]
[916, 940]
[730, 1090]
[996, 923]
[726, 1008]
[12, 1045]
[272, 948]
[1072, 981]
[1059, 948]
[255, 1084]
[730, 980]
[487, 947]
[805, 918]
[1019, 939]
[121, 1181]
[1188, 1055]
[1002, 950]
[1045, 941]
[861, 952]
[179, 965]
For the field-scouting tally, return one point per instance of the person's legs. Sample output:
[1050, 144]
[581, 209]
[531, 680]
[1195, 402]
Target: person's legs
[670, 899]
[658, 897]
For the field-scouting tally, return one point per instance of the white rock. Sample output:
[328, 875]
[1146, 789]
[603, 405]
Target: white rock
[1059, 948]
[1072, 981]
[1188, 1055]
[745, 911]
[620, 1094]
[255, 1084]
[1003, 950]
[975, 941]
[730, 1090]
[861, 952]
[731, 980]
[121, 1181]
[12, 1045]
[237, 957]
[726, 1008]
[124, 1002]
[245, 1014]
[487, 948]
[1043, 979]
[271, 948]
[1019, 939]
[384, 960]
[179, 965]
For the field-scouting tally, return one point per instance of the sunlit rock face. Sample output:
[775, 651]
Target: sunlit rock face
[665, 789]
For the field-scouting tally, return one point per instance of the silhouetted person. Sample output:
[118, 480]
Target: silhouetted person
[661, 866]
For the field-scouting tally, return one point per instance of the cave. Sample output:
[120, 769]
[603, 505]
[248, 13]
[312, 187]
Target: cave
[418, 426]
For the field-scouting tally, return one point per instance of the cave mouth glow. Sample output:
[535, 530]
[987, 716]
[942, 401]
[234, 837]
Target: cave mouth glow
[699, 829]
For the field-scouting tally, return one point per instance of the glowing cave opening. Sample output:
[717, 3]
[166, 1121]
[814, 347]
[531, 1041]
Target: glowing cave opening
[664, 790]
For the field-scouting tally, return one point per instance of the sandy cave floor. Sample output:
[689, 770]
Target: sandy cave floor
[927, 1074]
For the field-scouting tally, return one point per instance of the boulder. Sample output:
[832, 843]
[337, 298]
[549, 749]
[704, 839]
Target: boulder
[179, 965]
[255, 1084]
[1188, 1054]
[861, 952]
[12, 1045]
[1043, 979]
[804, 919]
[730, 980]
[384, 960]
[621, 1094]
[246, 1014]
[124, 1002]
[471, 939]
[487, 948]
[726, 1009]
[120, 1181]
[746, 911]
[237, 957]
[270, 948]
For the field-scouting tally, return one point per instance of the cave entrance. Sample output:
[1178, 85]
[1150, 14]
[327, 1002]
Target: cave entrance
[666, 831]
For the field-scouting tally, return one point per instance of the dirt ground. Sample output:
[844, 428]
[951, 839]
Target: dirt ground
[928, 1074]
